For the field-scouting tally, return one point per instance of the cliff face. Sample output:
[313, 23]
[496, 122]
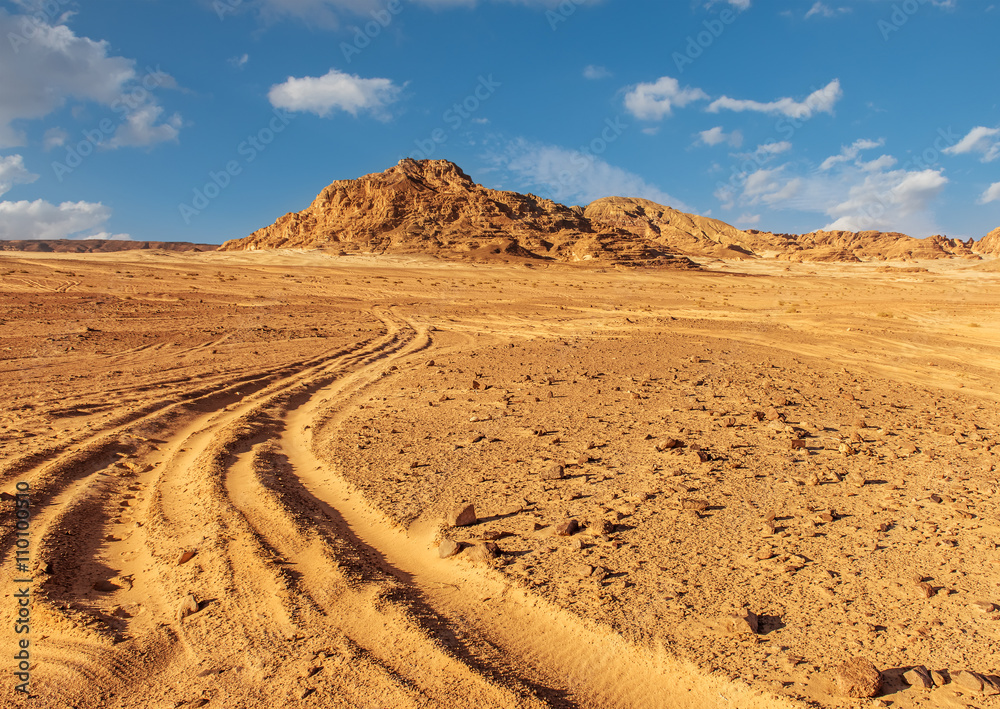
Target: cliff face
[432, 207]
[989, 245]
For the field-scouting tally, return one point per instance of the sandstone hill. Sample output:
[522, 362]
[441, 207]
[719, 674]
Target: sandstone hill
[94, 246]
[431, 206]
[989, 245]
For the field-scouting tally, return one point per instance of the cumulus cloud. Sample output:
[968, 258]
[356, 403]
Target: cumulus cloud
[13, 172]
[982, 140]
[820, 101]
[717, 136]
[852, 193]
[44, 220]
[571, 176]
[885, 200]
[140, 128]
[335, 91]
[991, 194]
[653, 101]
[42, 66]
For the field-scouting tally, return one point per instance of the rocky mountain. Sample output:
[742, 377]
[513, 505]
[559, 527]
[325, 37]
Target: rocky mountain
[95, 246]
[432, 207]
[989, 245]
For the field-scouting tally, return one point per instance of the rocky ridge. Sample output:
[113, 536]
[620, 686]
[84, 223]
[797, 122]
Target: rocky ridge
[433, 207]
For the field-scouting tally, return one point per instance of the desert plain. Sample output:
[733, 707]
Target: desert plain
[691, 488]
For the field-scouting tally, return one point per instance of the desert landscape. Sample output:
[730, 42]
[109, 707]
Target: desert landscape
[428, 444]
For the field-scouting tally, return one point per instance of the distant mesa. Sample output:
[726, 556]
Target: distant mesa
[98, 246]
[433, 207]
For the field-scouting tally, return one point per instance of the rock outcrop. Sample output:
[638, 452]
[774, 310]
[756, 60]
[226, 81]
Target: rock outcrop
[989, 245]
[432, 207]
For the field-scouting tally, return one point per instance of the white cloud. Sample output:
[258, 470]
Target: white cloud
[44, 220]
[770, 187]
[42, 66]
[140, 128]
[570, 176]
[820, 101]
[717, 136]
[851, 152]
[240, 61]
[852, 193]
[334, 91]
[54, 138]
[749, 219]
[13, 172]
[594, 72]
[775, 148]
[991, 194]
[979, 140]
[656, 100]
[884, 201]
[822, 10]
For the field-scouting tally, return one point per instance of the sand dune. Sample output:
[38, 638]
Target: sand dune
[240, 466]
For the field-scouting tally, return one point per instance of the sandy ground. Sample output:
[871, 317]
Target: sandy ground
[239, 467]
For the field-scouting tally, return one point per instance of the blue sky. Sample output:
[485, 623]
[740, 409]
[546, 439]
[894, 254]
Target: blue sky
[203, 120]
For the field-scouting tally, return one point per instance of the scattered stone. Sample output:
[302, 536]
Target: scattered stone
[476, 384]
[188, 606]
[669, 444]
[846, 449]
[553, 472]
[918, 677]
[696, 505]
[857, 677]
[969, 680]
[798, 443]
[982, 606]
[601, 527]
[924, 590]
[461, 515]
[566, 528]
[105, 586]
[186, 557]
[855, 478]
[584, 570]
[448, 548]
[487, 551]
[743, 622]
[940, 678]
